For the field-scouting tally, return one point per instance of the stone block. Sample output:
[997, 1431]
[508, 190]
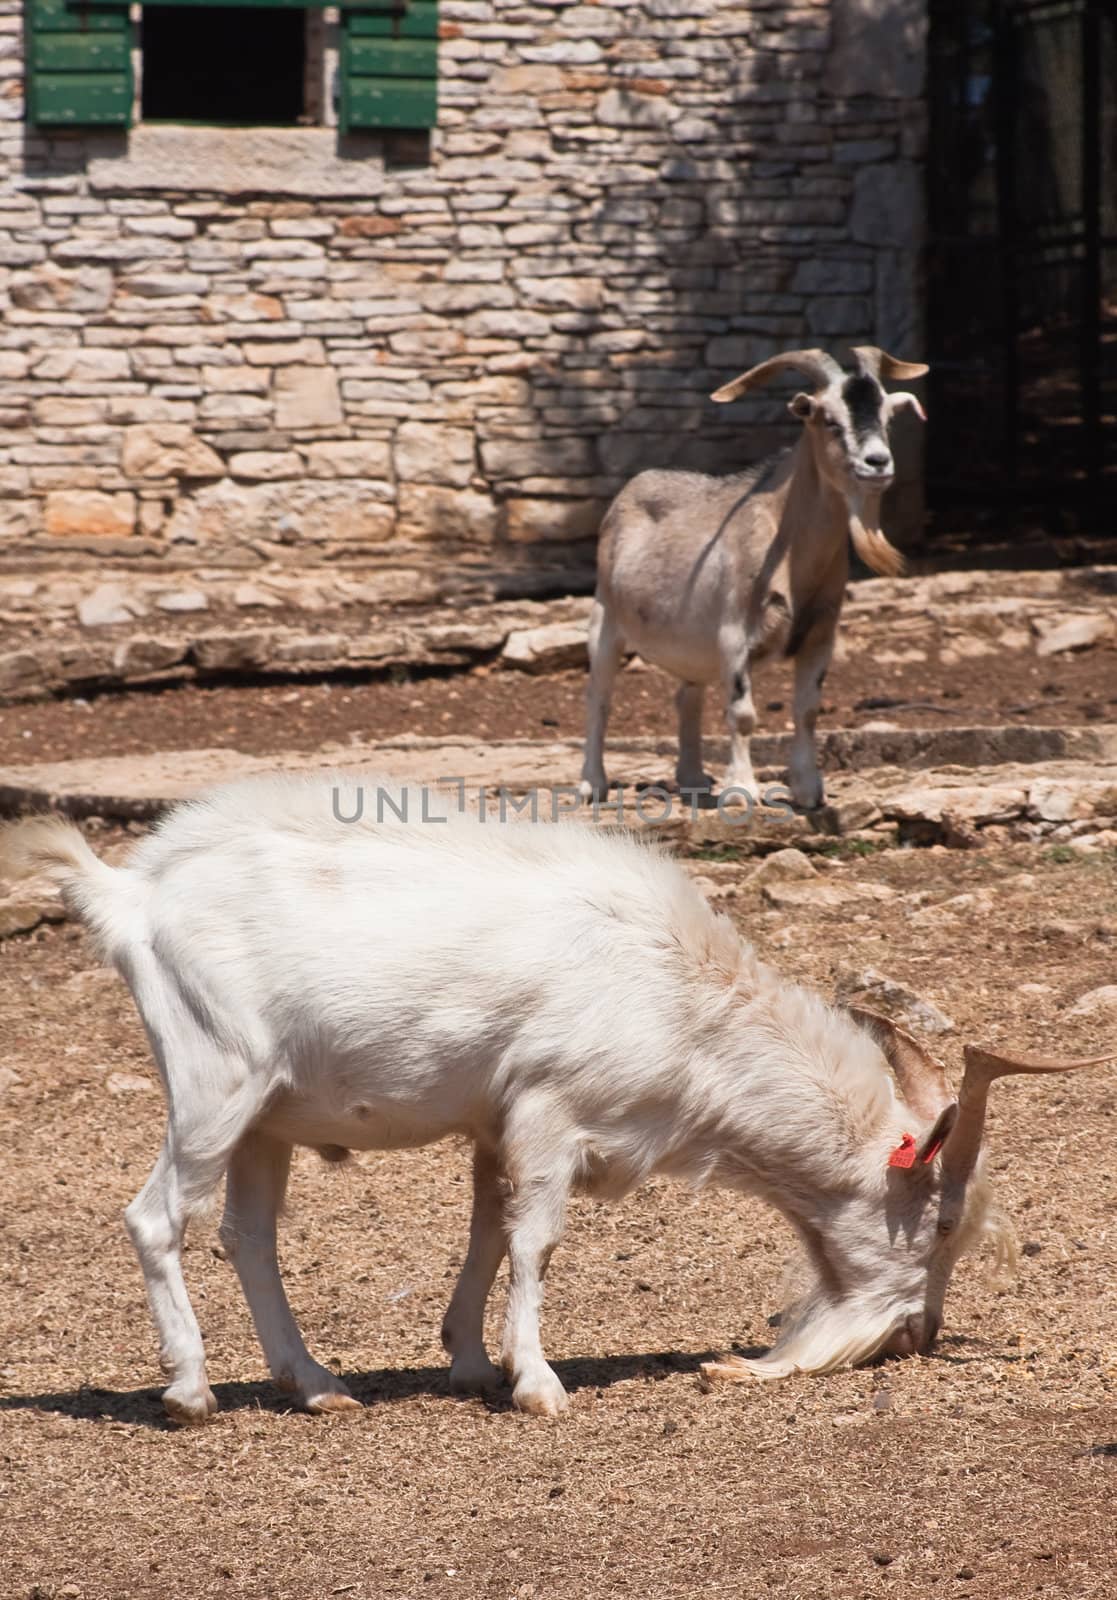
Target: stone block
[427, 452]
[307, 397]
[167, 450]
[75, 513]
[349, 458]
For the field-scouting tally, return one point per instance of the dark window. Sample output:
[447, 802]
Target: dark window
[238, 64]
[1022, 267]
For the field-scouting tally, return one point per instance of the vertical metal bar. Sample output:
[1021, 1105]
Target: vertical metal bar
[1090, 359]
[1006, 115]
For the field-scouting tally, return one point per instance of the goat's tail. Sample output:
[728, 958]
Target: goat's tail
[874, 549]
[55, 845]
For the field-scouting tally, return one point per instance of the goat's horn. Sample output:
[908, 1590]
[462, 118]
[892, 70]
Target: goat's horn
[921, 1078]
[871, 544]
[877, 363]
[818, 366]
[963, 1144]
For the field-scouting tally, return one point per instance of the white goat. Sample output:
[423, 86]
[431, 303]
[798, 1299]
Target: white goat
[568, 1002]
[705, 576]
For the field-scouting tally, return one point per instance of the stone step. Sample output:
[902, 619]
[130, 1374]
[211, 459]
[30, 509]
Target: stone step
[957, 805]
[65, 633]
[983, 775]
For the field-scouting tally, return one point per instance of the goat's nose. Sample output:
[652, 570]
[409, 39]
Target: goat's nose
[878, 460]
[915, 1335]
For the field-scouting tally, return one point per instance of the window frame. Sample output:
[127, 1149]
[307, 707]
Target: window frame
[80, 72]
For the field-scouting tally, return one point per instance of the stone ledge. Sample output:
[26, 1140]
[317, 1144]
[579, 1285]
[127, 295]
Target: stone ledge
[192, 641]
[1051, 790]
[309, 163]
[119, 627]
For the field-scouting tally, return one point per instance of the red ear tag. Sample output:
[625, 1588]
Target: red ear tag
[904, 1153]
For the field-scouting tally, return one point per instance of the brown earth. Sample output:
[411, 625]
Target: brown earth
[985, 1471]
[490, 703]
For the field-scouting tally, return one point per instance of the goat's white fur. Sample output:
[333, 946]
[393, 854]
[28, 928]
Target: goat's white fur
[567, 1001]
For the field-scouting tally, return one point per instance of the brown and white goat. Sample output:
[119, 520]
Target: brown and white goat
[705, 576]
[566, 1001]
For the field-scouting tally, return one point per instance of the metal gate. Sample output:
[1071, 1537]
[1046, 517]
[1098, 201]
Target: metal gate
[1022, 266]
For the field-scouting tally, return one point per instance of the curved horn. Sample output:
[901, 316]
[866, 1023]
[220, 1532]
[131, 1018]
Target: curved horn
[963, 1145]
[878, 364]
[818, 366]
[921, 1078]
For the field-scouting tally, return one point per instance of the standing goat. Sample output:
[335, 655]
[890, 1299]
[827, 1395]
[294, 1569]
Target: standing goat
[566, 1001]
[704, 576]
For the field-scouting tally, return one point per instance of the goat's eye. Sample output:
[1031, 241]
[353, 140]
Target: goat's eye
[834, 425]
[944, 1226]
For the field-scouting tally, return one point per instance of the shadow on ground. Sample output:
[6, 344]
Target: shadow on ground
[390, 1385]
[382, 1386]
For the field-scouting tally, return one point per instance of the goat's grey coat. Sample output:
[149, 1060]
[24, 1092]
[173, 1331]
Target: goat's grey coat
[707, 576]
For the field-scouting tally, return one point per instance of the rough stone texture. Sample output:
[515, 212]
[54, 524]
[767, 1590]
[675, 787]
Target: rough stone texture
[878, 49]
[789, 896]
[53, 624]
[905, 1005]
[29, 903]
[141, 786]
[89, 511]
[546, 649]
[1097, 1000]
[1072, 633]
[167, 450]
[621, 205]
[784, 866]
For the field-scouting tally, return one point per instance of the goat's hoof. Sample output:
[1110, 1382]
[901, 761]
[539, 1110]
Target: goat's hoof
[808, 796]
[540, 1396]
[189, 1407]
[474, 1374]
[730, 1369]
[738, 789]
[589, 791]
[331, 1401]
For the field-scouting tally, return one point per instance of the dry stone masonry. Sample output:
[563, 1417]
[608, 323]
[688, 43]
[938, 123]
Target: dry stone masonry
[241, 346]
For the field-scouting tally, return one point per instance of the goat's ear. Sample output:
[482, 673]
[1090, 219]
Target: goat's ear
[902, 400]
[912, 1152]
[801, 406]
[935, 1137]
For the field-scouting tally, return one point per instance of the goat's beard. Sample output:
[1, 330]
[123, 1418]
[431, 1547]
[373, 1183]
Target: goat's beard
[818, 1334]
[822, 1333]
[868, 540]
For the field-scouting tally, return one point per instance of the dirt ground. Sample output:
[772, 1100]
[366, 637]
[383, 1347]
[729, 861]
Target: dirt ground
[492, 704]
[985, 1471]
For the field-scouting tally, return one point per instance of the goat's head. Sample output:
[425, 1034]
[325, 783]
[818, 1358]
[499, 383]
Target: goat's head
[847, 417]
[883, 1251]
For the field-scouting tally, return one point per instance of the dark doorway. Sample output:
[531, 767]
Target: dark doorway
[1022, 269]
[224, 64]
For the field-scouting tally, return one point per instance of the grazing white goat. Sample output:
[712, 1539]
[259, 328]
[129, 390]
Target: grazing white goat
[705, 576]
[568, 1002]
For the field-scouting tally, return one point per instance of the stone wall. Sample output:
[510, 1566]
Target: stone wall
[237, 346]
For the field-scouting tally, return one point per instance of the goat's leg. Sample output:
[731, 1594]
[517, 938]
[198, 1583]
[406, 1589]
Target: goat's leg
[156, 1221]
[202, 1130]
[803, 776]
[534, 1217]
[463, 1324]
[606, 646]
[688, 769]
[254, 1190]
[741, 717]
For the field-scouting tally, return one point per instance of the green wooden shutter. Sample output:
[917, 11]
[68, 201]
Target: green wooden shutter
[79, 63]
[389, 65]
